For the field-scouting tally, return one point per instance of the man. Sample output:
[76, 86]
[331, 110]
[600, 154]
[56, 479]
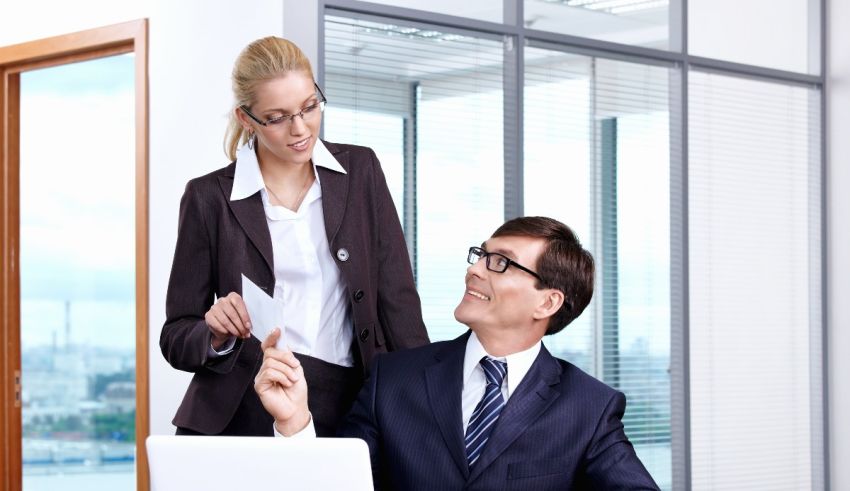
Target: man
[491, 409]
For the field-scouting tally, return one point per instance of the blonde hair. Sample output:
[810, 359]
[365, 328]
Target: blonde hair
[262, 60]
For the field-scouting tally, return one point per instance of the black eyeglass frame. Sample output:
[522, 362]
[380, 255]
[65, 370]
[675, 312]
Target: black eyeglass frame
[290, 117]
[482, 254]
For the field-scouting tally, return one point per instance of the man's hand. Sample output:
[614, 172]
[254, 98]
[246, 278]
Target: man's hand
[282, 389]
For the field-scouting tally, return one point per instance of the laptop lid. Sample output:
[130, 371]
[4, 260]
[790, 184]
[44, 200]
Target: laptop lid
[183, 463]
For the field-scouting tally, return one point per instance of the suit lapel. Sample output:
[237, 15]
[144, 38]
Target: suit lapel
[533, 396]
[444, 381]
[334, 191]
[251, 216]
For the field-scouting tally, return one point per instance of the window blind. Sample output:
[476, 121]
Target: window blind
[597, 157]
[443, 92]
[755, 284]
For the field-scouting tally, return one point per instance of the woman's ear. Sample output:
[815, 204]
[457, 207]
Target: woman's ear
[550, 303]
[242, 118]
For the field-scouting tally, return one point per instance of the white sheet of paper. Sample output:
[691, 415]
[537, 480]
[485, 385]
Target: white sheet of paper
[265, 312]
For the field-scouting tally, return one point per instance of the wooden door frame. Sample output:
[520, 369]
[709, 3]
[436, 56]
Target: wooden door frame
[127, 37]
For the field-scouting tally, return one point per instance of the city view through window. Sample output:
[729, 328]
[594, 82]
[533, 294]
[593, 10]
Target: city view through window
[77, 276]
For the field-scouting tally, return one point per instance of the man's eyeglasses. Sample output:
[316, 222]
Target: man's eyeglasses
[306, 113]
[496, 262]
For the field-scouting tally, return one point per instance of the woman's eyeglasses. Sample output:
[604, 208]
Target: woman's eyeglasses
[308, 113]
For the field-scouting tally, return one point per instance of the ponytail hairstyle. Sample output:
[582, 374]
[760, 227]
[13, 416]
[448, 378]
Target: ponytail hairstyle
[262, 60]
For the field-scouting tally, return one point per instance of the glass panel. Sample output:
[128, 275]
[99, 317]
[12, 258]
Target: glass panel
[648, 23]
[383, 133]
[489, 10]
[782, 34]
[755, 284]
[597, 157]
[78, 275]
[446, 89]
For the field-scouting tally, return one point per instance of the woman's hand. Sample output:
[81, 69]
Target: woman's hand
[228, 317]
[281, 387]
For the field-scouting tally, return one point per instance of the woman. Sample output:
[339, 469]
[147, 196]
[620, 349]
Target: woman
[312, 223]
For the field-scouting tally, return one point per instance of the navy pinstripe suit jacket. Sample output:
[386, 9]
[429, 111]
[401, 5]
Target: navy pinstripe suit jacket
[561, 428]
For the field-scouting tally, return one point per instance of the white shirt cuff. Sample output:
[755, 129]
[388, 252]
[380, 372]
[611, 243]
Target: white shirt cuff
[308, 431]
[226, 348]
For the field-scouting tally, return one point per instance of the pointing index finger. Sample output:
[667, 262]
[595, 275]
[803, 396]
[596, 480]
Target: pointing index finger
[271, 339]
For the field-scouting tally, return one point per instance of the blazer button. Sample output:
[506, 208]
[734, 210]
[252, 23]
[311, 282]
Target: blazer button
[342, 254]
[364, 335]
[358, 296]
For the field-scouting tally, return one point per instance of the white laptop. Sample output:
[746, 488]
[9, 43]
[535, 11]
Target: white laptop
[208, 463]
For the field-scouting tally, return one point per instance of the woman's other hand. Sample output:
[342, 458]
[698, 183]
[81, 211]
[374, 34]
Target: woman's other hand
[228, 317]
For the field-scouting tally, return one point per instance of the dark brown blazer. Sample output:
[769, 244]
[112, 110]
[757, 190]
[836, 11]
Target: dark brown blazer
[218, 240]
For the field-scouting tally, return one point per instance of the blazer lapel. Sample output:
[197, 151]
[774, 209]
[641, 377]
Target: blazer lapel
[334, 192]
[533, 396]
[444, 381]
[251, 216]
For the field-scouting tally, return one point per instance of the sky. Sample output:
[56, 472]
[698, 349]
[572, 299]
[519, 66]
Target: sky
[77, 200]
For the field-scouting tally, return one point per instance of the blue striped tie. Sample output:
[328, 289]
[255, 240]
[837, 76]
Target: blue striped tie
[487, 411]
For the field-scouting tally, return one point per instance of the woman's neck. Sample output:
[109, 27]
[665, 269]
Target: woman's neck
[286, 182]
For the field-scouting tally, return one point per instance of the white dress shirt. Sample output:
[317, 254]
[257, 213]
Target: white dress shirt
[316, 312]
[475, 382]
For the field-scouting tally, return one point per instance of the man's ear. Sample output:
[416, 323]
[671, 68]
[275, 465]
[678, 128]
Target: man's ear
[551, 302]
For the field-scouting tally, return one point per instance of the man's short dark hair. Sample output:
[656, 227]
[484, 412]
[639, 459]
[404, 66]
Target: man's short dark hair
[564, 265]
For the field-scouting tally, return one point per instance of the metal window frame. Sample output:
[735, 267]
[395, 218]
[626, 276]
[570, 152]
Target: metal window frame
[678, 58]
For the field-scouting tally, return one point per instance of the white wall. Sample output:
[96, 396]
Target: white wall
[838, 240]
[193, 44]
[772, 33]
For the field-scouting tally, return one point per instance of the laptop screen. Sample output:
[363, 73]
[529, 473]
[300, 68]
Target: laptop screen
[182, 463]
